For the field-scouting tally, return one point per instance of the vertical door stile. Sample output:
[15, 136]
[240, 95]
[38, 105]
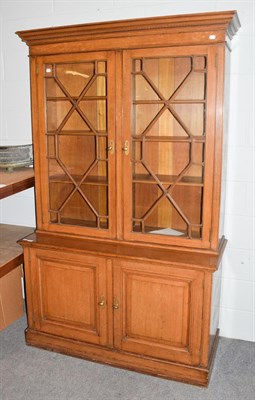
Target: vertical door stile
[119, 126]
[118, 304]
[210, 122]
[109, 297]
[221, 94]
[37, 103]
[126, 138]
[112, 140]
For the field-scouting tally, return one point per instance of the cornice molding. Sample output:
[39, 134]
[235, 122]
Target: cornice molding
[221, 21]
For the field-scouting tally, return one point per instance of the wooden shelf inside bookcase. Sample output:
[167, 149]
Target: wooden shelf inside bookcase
[90, 180]
[169, 138]
[168, 180]
[11, 254]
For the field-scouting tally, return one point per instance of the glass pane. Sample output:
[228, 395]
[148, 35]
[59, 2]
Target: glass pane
[189, 200]
[56, 112]
[157, 120]
[154, 212]
[95, 114]
[76, 153]
[97, 88]
[78, 212]
[165, 158]
[143, 89]
[73, 122]
[52, 88]
[191, 117]
[166, 74]
[56, 171]
[97, 196]
[97, 173]
[193, 88]
[76, 122]
[74, 77]
[168, 139]
[51, 147]
[168, 221]
[59, 194]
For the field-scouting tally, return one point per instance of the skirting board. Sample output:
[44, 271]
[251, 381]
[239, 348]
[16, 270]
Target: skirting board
[165, 369]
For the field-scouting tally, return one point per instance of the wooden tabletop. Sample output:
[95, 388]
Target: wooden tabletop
[15, 181]
[11, 253]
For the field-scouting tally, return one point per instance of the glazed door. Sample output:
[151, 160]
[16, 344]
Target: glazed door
[168, 144]
[66, 295]
[158, 311]
[75, 144]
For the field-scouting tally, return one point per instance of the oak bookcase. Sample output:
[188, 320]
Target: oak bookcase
[128, 141]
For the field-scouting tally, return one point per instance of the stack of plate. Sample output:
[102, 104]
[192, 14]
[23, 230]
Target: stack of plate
[16, 156]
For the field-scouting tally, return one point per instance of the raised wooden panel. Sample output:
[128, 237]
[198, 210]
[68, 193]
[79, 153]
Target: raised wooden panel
[78, 286]
[159, 311]
[162, 296]
[67, 290]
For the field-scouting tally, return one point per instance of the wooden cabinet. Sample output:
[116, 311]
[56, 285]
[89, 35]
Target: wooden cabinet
[158, 310]
[128, 131]
[67, 289]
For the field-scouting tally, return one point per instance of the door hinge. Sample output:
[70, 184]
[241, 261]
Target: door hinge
[36, 69]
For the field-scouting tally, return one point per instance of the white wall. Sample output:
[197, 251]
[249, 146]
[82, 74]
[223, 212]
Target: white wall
[237, 308]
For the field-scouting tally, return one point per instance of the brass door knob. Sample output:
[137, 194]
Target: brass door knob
[101, 302]
[116, 304]
[110, 147]
[125, 148]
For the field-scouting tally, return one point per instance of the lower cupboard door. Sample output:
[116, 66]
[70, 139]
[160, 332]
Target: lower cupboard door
[66, 295]
[158, 311]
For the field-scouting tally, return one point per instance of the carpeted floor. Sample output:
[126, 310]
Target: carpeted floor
[32, 374]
